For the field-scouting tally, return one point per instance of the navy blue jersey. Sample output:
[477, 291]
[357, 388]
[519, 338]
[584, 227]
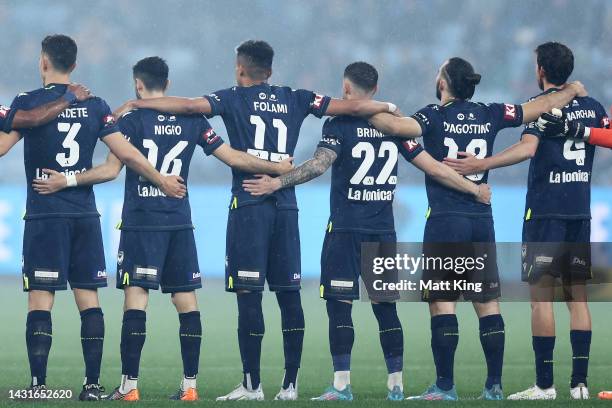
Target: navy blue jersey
[265, 120]
[462, 126]
[364, 174]
[559, 182]
[168, 142]
[66, 144]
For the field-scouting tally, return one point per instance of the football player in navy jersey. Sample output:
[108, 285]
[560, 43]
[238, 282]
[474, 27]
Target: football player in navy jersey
[459, 124]
[262, 242]
[557, 223]
[13, 120]
[62, 238]
[157, 245]
[364, 176]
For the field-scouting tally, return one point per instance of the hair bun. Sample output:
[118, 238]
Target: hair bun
[473, 79]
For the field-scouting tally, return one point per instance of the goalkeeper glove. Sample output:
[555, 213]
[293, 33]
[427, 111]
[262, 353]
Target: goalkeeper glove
[556, 124]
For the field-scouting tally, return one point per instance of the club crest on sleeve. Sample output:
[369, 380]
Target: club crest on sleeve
[318, 100]
[108, 120]
[4, 110]
[210, 136]
[509, 111]
[605, 121]
[411, 145]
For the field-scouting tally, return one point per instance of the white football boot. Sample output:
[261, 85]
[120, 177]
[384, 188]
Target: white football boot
[535, 393]
[241, 393]
[579, 392]
[289, 394]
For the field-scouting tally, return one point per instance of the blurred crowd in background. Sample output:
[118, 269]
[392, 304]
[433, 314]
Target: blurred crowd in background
[314, 40]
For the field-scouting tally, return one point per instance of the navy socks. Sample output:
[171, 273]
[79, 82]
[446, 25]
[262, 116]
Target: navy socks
[341, 334]
[39, 334]
[544, 346]
[92, 342]
[190, 335]
[444, 340]
[492, 339]
[133, 335]
[251, 329]
[581, 346]
[391, 335]
[292, 318]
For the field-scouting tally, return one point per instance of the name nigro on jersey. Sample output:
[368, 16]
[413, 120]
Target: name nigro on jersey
[569, 177]
[168, 130]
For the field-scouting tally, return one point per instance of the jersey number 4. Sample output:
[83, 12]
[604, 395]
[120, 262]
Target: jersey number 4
[477, 147]
[578, 154]
[366, 151]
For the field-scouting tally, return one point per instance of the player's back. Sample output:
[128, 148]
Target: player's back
[168, 142]
[559, 181]
[265, 120]
[66, 144]
[364, 174]
[462, 126]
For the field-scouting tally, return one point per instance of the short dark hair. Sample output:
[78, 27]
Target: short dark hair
[557, 61]
[61, 50]
[462, 79]
[153, 72]
[362, 74]
[256, 56]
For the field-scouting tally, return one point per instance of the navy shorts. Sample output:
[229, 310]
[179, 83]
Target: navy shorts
[61, 250]
[557, 247]
[149, 259]
[470, 243]
[262, 244]
[341, 265]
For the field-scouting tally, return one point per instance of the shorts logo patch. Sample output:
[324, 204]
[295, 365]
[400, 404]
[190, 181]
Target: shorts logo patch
[101, 274]
[248, 274]
[341, 284]
[120, 256]
[46, 275]
[579, 261]
[543, 259]
[146, 273]
[196, 275]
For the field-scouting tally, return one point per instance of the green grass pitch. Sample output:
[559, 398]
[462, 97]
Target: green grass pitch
[220, 368]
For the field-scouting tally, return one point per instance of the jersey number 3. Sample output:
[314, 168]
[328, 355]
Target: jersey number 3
[72, 158]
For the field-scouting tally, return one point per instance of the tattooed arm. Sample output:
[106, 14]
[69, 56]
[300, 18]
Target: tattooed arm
[313, 168]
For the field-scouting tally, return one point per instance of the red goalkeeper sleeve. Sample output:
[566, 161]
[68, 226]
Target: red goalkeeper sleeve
[601, 137]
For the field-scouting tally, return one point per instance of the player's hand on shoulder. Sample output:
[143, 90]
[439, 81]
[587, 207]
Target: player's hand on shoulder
[54, 182]
[80, 91]
[555, 124]
[578, 87]
[484, 194]
[173, 186]
[261, 185]
[465, 164]
[285, 166]
[126, 107]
